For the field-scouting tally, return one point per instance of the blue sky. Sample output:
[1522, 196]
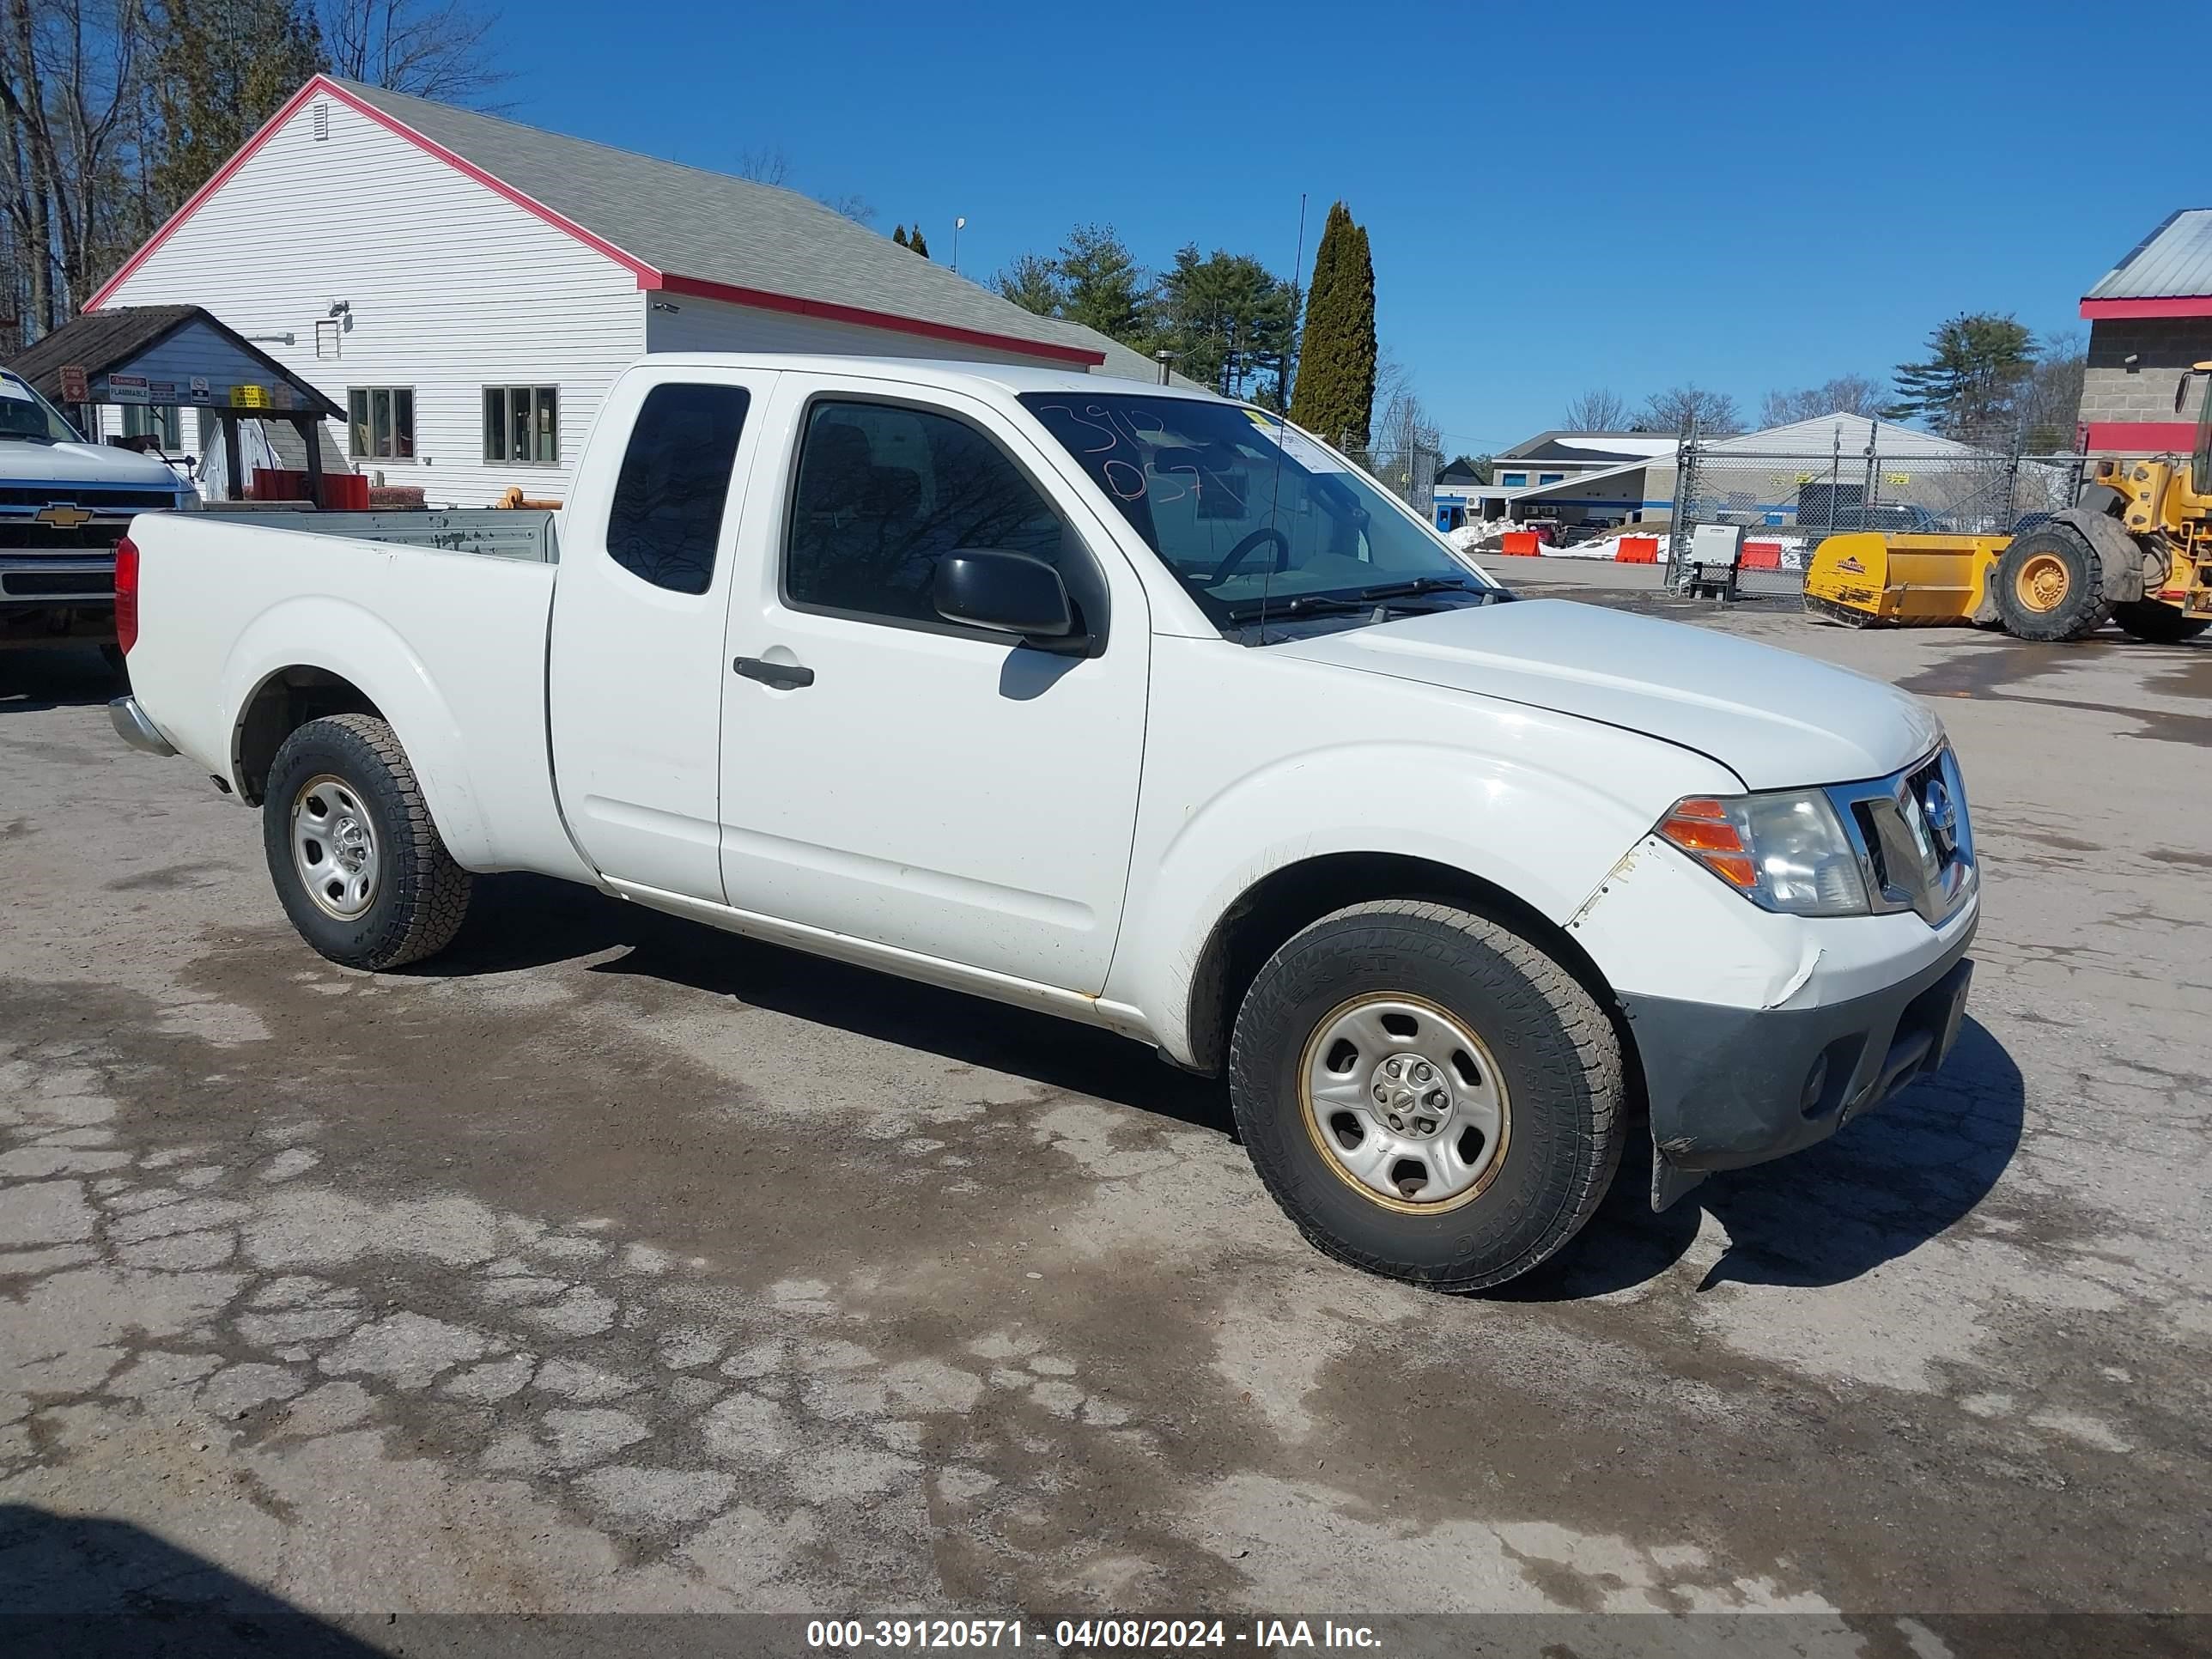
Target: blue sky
[1558, 197]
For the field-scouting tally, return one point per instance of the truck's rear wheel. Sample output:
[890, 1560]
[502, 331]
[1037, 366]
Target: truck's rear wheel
[2049, 585]
[356, 858]
[1427, 1095]
[2156, 623]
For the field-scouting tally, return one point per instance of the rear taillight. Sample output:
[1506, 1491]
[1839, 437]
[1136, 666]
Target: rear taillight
[126, 594]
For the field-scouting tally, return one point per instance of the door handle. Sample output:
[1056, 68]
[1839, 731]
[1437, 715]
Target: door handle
[783, 676]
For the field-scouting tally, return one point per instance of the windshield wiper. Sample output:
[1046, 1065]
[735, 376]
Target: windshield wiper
[1422, 585]
[1299, 604]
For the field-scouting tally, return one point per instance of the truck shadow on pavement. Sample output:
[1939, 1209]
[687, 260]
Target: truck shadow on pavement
[1879, 1189]
[33, 679]
[1882, 1187]
[519, 921]
[84, 1585]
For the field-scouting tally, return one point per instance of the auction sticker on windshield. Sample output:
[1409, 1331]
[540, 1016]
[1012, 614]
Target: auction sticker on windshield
[1296, 445]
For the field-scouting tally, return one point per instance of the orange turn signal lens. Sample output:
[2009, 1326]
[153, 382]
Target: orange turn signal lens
[1701, 827]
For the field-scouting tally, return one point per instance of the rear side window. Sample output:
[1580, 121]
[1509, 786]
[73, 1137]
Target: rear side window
[675, 482]
[883, 493]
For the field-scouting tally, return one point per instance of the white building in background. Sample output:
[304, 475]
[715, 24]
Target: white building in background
[466, 288]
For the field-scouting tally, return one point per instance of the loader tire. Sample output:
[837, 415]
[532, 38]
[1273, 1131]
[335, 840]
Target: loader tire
[2049, 585]
[358, 864]
[2158, 624]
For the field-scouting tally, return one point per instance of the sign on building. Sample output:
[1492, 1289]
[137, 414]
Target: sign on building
[126, 389]
[74, 389]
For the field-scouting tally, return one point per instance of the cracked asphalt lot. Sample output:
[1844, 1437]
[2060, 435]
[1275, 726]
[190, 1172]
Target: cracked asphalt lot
[609, 1264]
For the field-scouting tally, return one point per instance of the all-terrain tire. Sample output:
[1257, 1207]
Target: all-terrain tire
[2049, 585]
[2158, 624]
[420, 895]
[1557, 1055]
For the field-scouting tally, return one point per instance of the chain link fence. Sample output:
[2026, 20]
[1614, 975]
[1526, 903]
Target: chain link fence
[1409, 472]
[1787, 502]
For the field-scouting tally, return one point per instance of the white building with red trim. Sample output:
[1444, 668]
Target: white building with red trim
[467, 288]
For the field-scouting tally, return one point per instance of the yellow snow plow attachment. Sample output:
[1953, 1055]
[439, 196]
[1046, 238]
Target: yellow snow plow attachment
[1866, 578]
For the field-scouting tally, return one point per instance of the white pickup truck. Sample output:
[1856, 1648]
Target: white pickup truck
[1129, 704]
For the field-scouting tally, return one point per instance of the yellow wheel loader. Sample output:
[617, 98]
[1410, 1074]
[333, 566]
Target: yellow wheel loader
[2135, 549]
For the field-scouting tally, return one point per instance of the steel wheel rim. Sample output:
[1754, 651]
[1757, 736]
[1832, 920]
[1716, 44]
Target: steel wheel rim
[1363, 1067]
[2043, 581]
[334, 848]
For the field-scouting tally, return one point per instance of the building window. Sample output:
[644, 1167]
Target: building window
[522, 424]
[326, 339]
[1549, 478]
[1514, 480]
[380, 422]
[675, 480]
[162, 424]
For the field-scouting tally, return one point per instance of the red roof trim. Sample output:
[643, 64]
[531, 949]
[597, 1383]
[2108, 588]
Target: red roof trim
[2184, 305]
[648, 276]
[762, 299]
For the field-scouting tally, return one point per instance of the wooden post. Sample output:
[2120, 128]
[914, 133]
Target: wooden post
[310, 428]
[229, 419]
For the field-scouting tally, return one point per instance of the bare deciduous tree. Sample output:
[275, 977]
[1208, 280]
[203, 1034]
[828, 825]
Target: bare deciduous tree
[1847, 394]
[439, 49]
[763, 164]
[1679, 407]
[72, 85]
[1602, 411]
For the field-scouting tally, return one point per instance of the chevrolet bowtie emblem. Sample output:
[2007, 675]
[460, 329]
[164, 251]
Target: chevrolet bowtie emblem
[61, 515]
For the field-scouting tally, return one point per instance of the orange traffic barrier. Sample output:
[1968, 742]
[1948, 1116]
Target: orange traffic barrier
[1637, 549]
[1521, 542]
[1762, 555]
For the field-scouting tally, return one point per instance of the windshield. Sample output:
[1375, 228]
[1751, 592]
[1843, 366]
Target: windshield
[24, 414]
[1242, 506]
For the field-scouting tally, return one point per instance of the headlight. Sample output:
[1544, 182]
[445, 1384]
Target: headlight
[1783, 850]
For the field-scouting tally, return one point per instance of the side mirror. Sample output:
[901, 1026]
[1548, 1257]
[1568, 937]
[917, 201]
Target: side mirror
[1008, 593]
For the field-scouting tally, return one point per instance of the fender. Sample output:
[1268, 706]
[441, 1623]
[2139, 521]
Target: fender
[340, 637]
[1548, 837]
[2122, 555]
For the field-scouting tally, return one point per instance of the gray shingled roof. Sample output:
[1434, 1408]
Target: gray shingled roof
[2174, 262]
[686, 221]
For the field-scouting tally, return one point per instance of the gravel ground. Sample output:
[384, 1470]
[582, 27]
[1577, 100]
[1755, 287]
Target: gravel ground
[610, 1265]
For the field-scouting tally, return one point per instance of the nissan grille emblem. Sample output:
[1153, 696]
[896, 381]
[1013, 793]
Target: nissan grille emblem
[1942, 816]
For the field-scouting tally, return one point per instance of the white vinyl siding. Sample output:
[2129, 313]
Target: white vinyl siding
[450, 288]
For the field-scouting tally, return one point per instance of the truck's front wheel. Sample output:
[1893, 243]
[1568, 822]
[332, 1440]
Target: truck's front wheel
[1426, 1094]
[356, 858]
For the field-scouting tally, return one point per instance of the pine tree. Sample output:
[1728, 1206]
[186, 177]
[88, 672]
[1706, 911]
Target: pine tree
[1967, 388]
[917, 242]
[898, 234]
[1334, 393]
[1103, 287]
[223, 69]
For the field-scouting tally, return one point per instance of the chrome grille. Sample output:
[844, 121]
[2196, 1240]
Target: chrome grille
[1910, 832]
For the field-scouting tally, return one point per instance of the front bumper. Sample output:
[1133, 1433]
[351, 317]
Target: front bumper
[1733, 1086]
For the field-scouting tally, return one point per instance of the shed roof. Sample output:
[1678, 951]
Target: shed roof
[689, 230]
[111, 341]
[2167, 274]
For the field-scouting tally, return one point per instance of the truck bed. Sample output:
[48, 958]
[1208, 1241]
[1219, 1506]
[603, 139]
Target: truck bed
[490, 533]
[445, 613]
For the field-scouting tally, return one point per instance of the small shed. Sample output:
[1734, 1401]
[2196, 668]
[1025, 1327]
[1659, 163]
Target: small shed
[155, 362]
